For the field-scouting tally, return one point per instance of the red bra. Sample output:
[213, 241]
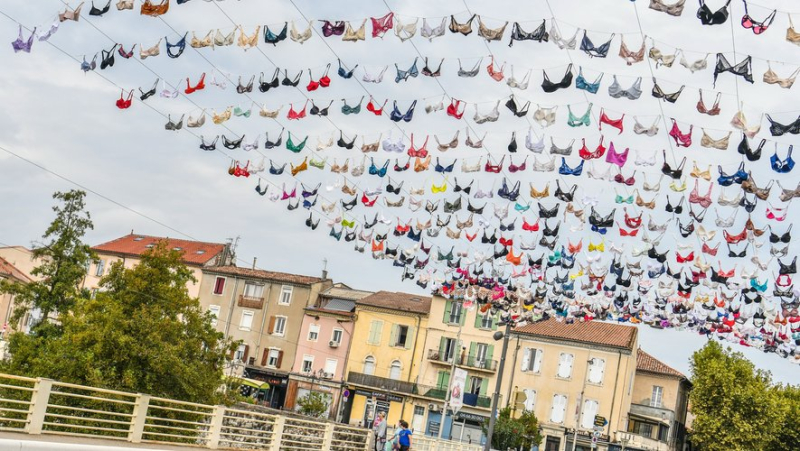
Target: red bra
[616, 123]
[710, 250]
[123, 103]
[472, 237]
[598, 152]
[633, 223]
[573, 248]
[633, 232]
[371, 107]
[531, 227]
[419, 152]
[495, 168]
[733, 239]
[726, 274]
[506, 242]
[452, 109]
[368, 203]
[619, 178]
[324, 82]
[681, 140]
[688, 258]
[377, 247]
[292, 114]
[200, 84]
[399, 228]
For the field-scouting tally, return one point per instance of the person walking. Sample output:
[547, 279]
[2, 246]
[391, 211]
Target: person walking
[379, 428]
[403, 436]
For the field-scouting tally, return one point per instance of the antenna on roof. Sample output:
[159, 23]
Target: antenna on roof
[324, 269]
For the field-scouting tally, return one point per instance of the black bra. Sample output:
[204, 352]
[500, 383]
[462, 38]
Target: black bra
[733, 254]
[707, 17]
[209, 147]
[232, 144]
[265, 86]
[785, 238]
[289, 82]
[674, 173]
[778, 129]
[342, 143]
[677, 209]
[745, 149]
[518, 34]
[545, 214]
[563, 196]
[316, 111]
[791, 268]
[743, 68]
[602, 222]
[588, 47]
[548, 86]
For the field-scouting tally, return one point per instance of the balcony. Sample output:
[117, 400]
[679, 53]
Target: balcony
[467, 361]
[248, 302]
[656, 413]
[411, 388]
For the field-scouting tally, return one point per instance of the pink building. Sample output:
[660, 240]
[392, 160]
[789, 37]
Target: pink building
[323, 347]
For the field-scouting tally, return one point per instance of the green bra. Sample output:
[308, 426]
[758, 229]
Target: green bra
[240, 112]
[573, 121]
[347, 109]
[295, 148]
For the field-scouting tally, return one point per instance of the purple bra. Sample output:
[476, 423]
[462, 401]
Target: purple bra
[329, 29]
[21, 45]
[616, 158]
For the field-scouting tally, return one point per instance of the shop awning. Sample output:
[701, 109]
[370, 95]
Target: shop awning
[260, 385]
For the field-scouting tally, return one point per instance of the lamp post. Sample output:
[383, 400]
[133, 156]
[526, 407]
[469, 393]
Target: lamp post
[496, 397]
[455, 349]
[578, 407]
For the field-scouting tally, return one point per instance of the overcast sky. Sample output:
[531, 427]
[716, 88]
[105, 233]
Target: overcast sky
[65, 120]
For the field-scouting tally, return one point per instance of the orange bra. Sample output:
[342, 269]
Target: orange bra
[149, 9]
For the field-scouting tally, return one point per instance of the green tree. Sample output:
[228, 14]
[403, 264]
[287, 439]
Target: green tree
[789, 429]
[514, 432]
[313, 404]
[735, 406]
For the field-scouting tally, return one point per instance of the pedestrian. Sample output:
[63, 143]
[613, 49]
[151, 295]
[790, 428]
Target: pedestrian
[403, 436]
[379, 428]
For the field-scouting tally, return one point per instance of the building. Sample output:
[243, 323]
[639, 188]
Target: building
[460, 337]
[11, 274]
[568, 374]
[659, 407]
[322, 349]
[130, 248]
[265, 311]
[385, 353]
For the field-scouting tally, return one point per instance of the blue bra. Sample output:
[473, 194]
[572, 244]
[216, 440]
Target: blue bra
[345, 74]
[566, 170]
[414, 237]
[522, 208]
[403, 75]
[758, 287]
[507, 194]
[335, 234]
[581, 83]
[276, 171]
[443, 169]
[782, 166]
[738, 177]
[373, 170]
[588, 47]
[397, 116]
[180, 44]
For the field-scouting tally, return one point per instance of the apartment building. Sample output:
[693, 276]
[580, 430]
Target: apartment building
[265, 310]
[568, 374]
[130, 248]
[386, 349]
[324, 343]
[11, 274]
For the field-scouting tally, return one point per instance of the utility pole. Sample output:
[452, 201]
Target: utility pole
[452, 369]
[498, 385]
[578, 407]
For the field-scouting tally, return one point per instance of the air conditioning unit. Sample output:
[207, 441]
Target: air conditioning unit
[433, 407]
[327, 375]
[333, 344]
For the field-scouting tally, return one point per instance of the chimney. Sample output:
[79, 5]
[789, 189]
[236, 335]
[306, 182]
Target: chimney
[255, 259]
[324, 269]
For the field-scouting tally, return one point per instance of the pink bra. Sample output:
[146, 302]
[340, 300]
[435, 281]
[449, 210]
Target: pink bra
[618, 158]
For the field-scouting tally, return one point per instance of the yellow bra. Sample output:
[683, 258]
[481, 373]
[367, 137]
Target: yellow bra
[540, 194]
[599, 248]
[248, 41]
[355, 35]
[697, 173]
[676, 188]
[576, 275]
[222, 117]
[439, 189]
[348, 224]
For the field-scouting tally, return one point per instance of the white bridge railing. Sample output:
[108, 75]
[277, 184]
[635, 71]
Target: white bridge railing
[43, 406]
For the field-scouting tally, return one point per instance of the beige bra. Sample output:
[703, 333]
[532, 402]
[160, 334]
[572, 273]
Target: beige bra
[791, 35]
[222, 117]
[222, 40]
[355, 35]
[405, 31]
[490, 34]
[697, 173]
[371, 147]
[152, 51]
[300, 37]
[207, 41]
[675, 9]
[545, 117]
[707, 141]
[75, 14]
[772, 78]
[740, 122]
[198, 122]
[629, 56]
[340, 169]
[248, 42]
[664, 60]
[128, 4]
[264, 112]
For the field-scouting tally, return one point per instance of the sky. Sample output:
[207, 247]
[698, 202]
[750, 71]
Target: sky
[60, 129]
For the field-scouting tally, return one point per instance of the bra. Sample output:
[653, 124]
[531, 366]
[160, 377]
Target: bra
[490, 34]
[545, 117]
[300, 37]
[639, 129]
[721, 144]
[600, 51]
[574, 121]
[616, 123]
[681, 139]
[566, 170]
[430, 33]
[518, 34]
[743, 68]
[782, 166]
[660, 94]
[701, 106]
[695, 66]
[581, 83]
[629, 56]
[563, 44]
[492, 116]
[660, 58]
[707, 17]
[772, 78]
[463, 28]
[778, 129]
[548, 86]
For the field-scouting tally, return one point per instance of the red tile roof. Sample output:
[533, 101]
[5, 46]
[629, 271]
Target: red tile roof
[591, 332]
[261, 274]
[7, 269]
[398, 301]
[134, 245]
[646, 362]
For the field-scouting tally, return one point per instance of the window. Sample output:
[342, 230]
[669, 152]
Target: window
[447, 349]
[239, 354]
[400, 336]
[455, 313]
[280, 325]
[286, 295]
[214, 311]
[330, 366]
[252, 290]
[590, 409]
[486, 321]
[559, 408]
[532, 360]
[395, 370]
[375, 328]
[565, 365]
[308, 364]
[274, 358]
[369, 365]
[481, 349]
[219, 286]
[100, 266]
[337, 335]
[475, 384]
[443, 380]
[313, 332]
[663, 433]
[641, 428]
[596, 369]
[530, 399]
[655, 400]
[247, 320]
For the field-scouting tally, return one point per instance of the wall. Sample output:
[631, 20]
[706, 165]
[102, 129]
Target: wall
[92, 280]
[643, 390]
[383, 353]
[320, 349]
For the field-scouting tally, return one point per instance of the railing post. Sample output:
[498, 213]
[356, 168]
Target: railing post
[139, 418]
[275, 445]
[215, 428]
[40, 397]
[327, 439]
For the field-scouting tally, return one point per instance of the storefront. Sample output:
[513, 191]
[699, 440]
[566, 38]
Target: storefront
[462, 427]
[584, 441]
[363, 405]
[275, 396]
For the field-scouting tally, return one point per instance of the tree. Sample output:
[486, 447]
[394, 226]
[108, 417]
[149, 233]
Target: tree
[735, 406]
[313, 404]
[789, 429]
[514, 432]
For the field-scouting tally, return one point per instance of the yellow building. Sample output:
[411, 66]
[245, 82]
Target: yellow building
[11, 274]
[569, 373]
[385, 352]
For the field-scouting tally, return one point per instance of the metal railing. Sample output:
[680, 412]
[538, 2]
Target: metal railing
[44, 406]
[249, 302]
[469, 361]
[427, 391]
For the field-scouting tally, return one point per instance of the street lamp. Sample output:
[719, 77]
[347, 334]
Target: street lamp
[498, 385]
[578, 407]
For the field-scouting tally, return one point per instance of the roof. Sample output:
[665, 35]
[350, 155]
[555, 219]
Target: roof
[398, 301]
[646, 362]
[296, 279]
[7, 269]
[590, 332]
[342, 292]
[339, 305]
[194, 252]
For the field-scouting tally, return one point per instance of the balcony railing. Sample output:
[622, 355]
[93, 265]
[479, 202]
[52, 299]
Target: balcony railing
[248, 302]
[411, 388]
[468, 361]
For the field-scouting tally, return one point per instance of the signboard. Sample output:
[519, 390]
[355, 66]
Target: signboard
[469, 417]
[600, 420]
[457, 389]
[380, 396]
[433, 428]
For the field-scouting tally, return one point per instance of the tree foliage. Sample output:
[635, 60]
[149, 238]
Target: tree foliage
[313, 404]
[737, 407]
[514, 432]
